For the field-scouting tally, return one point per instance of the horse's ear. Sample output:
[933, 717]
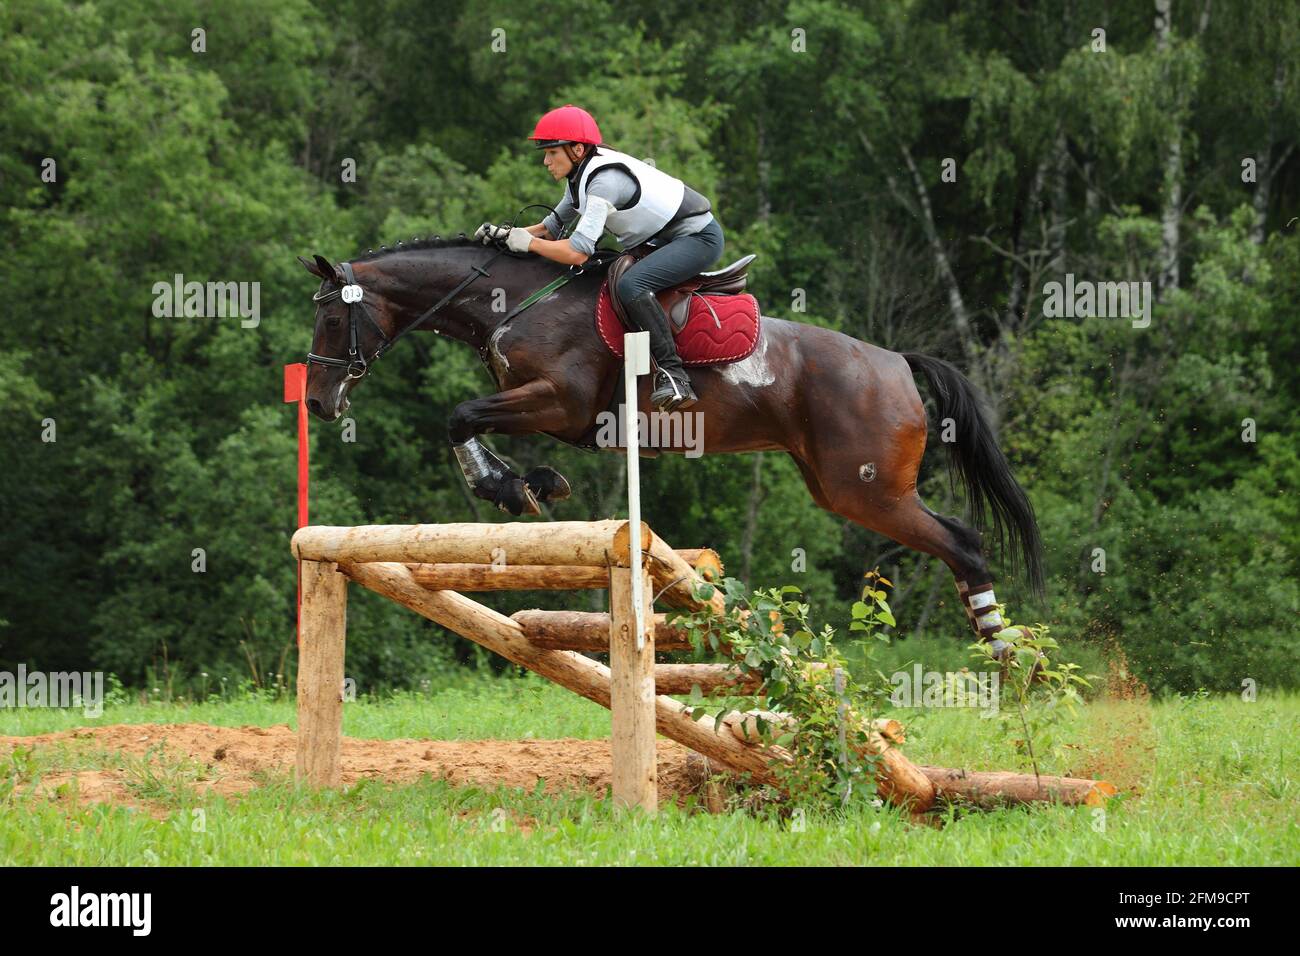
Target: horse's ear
[320, 268]
[324, 269]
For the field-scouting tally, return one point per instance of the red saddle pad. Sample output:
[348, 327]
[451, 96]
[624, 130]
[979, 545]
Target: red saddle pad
[704, 339]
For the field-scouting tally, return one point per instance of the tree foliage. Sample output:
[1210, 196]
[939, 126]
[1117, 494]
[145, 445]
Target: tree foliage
[820, 129]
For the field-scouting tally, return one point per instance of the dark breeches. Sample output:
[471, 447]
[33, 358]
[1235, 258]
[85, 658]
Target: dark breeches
[676, 262]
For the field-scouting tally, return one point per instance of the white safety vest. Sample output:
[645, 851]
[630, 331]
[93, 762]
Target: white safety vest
[659, 199]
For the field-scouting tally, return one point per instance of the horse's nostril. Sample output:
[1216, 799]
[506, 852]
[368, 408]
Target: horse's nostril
[314, 406]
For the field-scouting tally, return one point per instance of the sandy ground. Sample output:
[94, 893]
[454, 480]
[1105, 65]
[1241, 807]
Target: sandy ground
[230, 761]
[233, 760]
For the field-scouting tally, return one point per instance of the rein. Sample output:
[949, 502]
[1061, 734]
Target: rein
[351, 292]
[356, 363]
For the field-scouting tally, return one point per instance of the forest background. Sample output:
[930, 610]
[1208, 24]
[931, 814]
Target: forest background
[911, 173]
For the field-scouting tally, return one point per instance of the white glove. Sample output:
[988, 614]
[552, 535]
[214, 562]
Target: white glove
[489, 232]
[519, 239]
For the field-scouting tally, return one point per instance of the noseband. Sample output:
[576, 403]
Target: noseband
[356, 363]
[351, 293]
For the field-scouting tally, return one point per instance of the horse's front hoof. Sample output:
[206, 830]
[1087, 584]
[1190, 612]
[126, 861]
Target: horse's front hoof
[547, 484]
[517, 498]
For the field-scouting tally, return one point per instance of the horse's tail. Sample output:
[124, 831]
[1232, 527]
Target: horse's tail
[984, 470]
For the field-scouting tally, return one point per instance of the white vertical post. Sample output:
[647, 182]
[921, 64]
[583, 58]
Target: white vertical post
[636, 362]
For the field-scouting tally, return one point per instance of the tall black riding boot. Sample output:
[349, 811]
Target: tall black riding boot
[672, 385]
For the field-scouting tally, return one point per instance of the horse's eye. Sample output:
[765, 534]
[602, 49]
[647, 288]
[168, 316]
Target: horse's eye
[332, 322]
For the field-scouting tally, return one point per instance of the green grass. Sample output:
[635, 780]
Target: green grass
[479, 709]
[1215, 778]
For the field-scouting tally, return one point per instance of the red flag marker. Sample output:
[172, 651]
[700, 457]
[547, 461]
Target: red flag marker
[295, 390]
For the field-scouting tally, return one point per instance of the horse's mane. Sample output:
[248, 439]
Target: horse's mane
[594, 266]
[429, 242]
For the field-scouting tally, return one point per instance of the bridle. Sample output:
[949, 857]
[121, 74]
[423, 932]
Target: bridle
[351, 293]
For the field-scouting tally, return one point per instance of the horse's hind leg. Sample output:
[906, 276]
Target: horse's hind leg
[533, 407]
[881, 496]
[969, 568]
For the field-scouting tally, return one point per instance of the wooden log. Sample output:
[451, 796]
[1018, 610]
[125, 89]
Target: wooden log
[540, 577]
[588, 631]
[998, 788]
[509, 577]
[582, 675]
[582, 543]
[899, 781]
[745, 725]
[632, 696]
[674, 578]
[710, 678]
[890, 729]
[320, 674]
[705, 561]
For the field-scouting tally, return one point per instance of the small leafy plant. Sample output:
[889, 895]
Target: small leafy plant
[1041, 688]
[808, 701]
[18, 769]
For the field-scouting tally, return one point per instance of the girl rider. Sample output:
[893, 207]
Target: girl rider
[639, 204]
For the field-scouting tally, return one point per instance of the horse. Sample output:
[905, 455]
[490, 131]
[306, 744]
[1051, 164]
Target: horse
[847, 412]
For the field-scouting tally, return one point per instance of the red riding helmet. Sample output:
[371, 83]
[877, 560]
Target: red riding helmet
[567, 124]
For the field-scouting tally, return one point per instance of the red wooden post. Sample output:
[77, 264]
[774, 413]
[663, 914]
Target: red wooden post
[295, 390]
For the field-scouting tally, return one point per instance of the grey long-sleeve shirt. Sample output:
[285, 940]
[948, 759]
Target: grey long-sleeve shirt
[615, 186]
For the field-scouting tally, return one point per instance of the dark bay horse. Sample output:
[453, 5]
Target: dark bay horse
[847, 412]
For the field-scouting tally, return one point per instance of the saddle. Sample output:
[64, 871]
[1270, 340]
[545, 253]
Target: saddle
[713, 320]
[676, 301]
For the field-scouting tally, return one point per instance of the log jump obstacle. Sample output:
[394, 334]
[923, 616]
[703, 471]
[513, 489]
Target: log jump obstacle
[426, 567]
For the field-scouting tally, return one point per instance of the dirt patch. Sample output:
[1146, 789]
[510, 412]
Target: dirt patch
[82, 788]
[233, 760]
